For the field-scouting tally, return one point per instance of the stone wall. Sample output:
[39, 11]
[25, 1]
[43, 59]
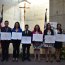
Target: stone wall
[57, 11]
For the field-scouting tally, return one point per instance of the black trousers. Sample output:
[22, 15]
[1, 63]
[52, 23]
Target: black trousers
[16, 48]
[25, 52]
[5, 49]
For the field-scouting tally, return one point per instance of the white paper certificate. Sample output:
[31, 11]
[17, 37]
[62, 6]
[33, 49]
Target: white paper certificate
[16, 35]
[26, 40]
[0, 35]
[5, 36]
[60, 37]
[49, 39]
[38, 37]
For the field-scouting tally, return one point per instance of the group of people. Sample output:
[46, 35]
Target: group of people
[26, 47]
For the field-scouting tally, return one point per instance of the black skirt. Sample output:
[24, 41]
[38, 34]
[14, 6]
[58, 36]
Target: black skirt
[58, 45]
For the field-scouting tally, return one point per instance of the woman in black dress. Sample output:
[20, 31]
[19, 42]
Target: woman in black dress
[58, 45]
[48, 50]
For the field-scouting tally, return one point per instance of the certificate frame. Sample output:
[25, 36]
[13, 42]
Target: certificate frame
[60, 37]
[5, 35]
[16, 35]
[26, 40]
[49, 39]
[37, 38]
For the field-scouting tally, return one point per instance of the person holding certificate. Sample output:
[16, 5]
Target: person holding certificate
[0, 35]
[36, 44]
[58, 45]
[0, 27]
[0, 32]
[48, 31]
[5, 43]
[26, 47]
[16, 42]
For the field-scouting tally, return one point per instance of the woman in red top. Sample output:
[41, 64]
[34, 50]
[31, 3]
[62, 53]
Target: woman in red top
[37, 44]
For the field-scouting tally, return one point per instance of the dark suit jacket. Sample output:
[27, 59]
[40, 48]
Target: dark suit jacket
[3, 29]
[45, 32]
[29, 33]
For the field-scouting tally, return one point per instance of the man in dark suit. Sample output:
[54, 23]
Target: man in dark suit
[5, 43]
[26, 47]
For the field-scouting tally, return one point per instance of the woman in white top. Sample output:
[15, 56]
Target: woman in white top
[0, 35]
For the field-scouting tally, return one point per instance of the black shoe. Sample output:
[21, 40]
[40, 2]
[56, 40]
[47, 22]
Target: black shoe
[6, 59]
[23, 60]
[2, 60]
[51, 60]
[16, 59]
[29, 59]
[57, 60]
[46, 60]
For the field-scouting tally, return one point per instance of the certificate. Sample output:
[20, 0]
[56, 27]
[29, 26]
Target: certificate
[5, 36]
[49, 39]
[0, 35]
[16, 35]
[63, 37]
[38, 37]
[60, 37]
[26, 40]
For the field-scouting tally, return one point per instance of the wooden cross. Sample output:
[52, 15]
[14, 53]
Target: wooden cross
[24, 9]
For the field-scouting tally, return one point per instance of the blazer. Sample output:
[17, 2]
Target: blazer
[29, 33]
[45, 32]
[4, 29]
[19, 30]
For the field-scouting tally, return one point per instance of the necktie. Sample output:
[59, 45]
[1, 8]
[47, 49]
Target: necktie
[26, 32]
[6, 29]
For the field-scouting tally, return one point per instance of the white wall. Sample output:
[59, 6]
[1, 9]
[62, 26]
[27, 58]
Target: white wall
[34, 15]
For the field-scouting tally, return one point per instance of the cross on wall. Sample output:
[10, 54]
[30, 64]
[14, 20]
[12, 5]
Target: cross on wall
[24, 8]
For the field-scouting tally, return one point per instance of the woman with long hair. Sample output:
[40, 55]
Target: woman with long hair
[37, 44]
[48, 52]
[58, 45]
[16, 43]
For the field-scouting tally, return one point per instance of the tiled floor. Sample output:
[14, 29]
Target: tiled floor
[32, 62]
